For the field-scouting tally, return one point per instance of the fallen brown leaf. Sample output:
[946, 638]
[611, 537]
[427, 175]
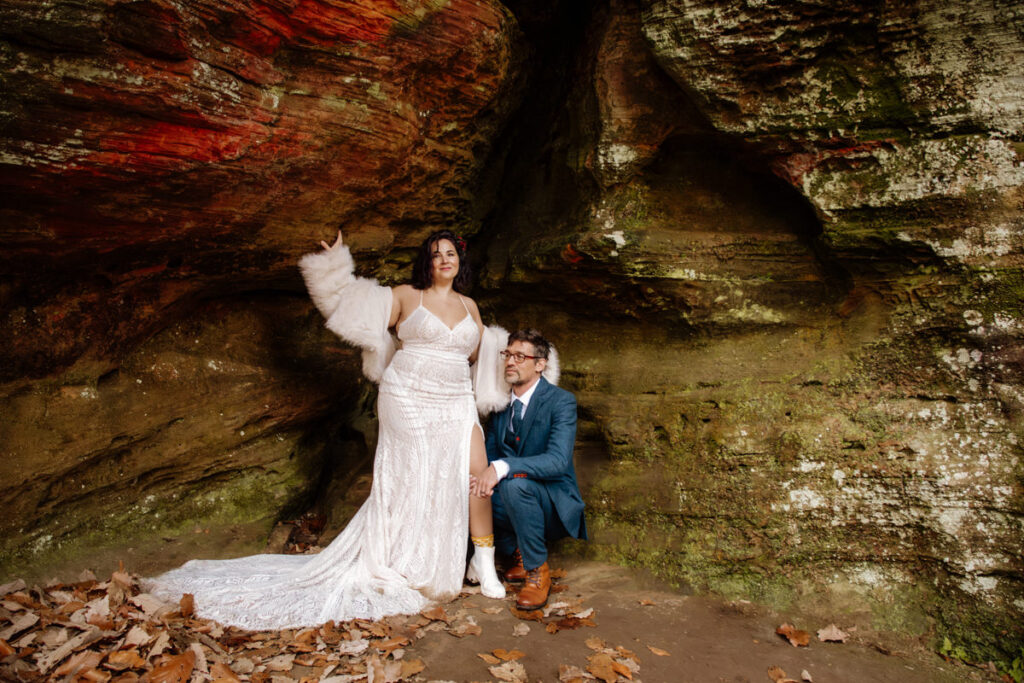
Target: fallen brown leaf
[489, 658]
[411, 667]
[805, 676]
[465, 628]
[570, 674]
[79, 662]
[779, 676]
[492, 610]
[390, 645]
[622, 670]
[513, 671]
[628, 654]
[177, 669]
[5, 649]
[437, 614]
[527, 614]
[222, 673]
[520, 629]
[125, 659]
[506, 655]
[187, 605]
[49, 660]
[795, 636]
[595, 643]
[647, 603]
[568, 623]
[558, 573]
[601, 666]
[658, 651]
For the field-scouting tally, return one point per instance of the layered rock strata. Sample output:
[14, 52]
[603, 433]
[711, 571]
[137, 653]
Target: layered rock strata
[162, 167]
[779, 245]
[799, 244]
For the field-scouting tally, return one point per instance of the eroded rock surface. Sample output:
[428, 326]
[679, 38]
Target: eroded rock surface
[163, 165]
[802, 286]
[778, 244]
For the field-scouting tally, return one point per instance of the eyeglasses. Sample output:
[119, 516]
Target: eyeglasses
[517, 357]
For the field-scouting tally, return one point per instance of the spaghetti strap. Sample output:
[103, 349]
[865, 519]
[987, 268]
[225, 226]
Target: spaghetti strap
[463, 300]
[421, 297]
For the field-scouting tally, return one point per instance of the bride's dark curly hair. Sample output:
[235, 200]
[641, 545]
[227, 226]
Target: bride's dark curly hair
[423, 268]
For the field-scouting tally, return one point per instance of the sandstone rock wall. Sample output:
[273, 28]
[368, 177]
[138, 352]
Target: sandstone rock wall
[798, 243]
[162, 167]
[779, 245]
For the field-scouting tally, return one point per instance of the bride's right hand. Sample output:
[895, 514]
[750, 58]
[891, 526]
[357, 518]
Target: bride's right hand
[329, 247]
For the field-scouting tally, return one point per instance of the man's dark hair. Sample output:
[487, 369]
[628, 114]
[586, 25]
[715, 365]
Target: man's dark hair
[541, 346]
[423, 268]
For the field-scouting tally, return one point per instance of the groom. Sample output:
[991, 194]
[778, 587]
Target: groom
[531, 476]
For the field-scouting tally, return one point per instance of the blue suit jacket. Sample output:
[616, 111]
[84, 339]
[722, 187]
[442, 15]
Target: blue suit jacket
[544, 450]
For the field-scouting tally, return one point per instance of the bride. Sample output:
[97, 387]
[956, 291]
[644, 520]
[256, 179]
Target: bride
[405, 548]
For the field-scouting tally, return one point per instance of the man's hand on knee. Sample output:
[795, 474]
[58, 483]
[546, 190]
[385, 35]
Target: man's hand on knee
[486, 482]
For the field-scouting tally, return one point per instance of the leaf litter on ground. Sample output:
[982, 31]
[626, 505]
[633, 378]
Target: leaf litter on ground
[113, 631]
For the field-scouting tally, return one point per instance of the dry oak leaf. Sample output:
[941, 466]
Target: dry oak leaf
[603, 667]
[506, 655]
[5, 649]
[187, 605]
[527, 614]
[280, 663]
[125, 659]
[383, 672]
[622, 669]
[79, 662]
[520, 629]
[411, 667]
[658, 651]
[465, 628]
[778, 675]
[492, 610]
[177, 669]
[389, 646]
[353, 647]
[558, 574]
[595, 643]
[222, 673]
[832, 634]
[795, 636]
[437, 614]
[513, 671]
[488, 658]
[571, 674]
[647, 603]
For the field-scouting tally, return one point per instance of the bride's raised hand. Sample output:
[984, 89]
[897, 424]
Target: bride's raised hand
[329, 247]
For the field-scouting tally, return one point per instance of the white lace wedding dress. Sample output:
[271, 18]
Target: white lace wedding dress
[406, 547]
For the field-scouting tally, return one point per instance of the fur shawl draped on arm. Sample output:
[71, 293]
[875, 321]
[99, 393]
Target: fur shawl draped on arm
[357, 309]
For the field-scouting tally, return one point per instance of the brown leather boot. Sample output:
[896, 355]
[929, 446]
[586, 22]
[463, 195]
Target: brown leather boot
[516, 573]
[534, 594]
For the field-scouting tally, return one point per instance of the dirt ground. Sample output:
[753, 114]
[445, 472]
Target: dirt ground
[703, 639]
[707, 640]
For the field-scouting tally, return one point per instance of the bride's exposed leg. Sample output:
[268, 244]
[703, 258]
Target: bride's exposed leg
[481, 526]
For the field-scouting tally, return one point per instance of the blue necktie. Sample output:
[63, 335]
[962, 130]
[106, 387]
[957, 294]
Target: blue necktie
[512, 435]
[517, 416]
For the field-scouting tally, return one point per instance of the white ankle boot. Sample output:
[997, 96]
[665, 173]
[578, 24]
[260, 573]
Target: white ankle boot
[481, 570]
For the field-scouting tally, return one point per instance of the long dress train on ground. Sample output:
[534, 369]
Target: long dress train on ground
[406, 547]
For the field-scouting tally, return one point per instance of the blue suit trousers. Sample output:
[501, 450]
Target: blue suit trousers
[525, 518]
